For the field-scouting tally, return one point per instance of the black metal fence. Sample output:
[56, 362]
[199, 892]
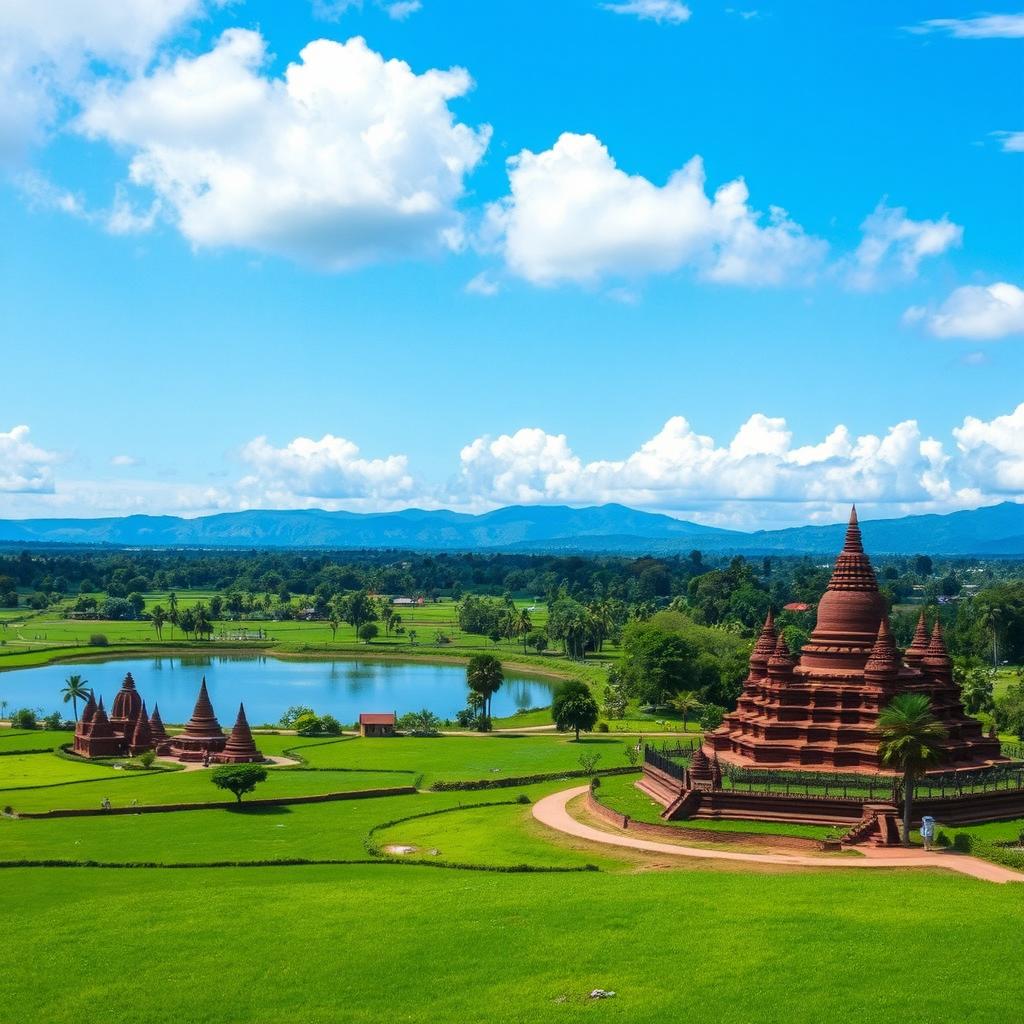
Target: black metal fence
[664, 762]
[777, 782]
[982, 780]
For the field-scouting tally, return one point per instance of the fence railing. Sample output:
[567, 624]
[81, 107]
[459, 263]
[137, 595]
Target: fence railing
[996, 779]
[797, 783]
[663, 762]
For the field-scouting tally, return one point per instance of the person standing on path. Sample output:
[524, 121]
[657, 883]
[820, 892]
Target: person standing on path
[927, 831]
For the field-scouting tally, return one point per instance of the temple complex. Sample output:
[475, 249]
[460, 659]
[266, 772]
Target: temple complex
[806, 722]
[130, 730]
[820, 709]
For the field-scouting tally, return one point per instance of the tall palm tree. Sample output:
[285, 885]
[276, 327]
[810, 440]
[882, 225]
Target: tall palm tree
[991, 619]
[910, 738]
[75, 689]
[158, 617]
[685, 703]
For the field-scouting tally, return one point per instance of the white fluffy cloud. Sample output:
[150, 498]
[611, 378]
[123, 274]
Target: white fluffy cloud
[1011, 142]
[346, 159]
[672, 11]
[892, 246]
[984, 26]
[993, 452]
[25, 468]
[46, 49]
[680, 468]
[330, 468]
[573, 215]
[975, 312]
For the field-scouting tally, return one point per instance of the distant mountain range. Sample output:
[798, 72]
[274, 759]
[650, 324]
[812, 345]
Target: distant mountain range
[993, 531]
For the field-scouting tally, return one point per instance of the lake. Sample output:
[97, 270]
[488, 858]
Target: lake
[268, 685]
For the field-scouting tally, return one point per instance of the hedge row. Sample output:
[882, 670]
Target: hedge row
[36, 750]
[1008, 857]
[65, 753]
[296, 862]
[527, 780]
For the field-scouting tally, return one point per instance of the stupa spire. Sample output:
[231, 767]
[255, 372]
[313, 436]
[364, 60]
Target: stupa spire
[100, 725]
[781, 659]
[883, 659]
[919, 645]
[203, 721]
[937, 656]
[89, 710]
[240, 744]
[141, 738]
[156, 725]
[765, 645]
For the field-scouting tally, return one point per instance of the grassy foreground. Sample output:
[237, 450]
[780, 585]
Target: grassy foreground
[366, 943]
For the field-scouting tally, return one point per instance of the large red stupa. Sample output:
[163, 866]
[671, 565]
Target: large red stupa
[820, 710]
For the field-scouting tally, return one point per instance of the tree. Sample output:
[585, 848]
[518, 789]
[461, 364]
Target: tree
[387, 616]
[685, 703]
[976, 681]
[334, 622]
[538, 640]
[238, 778]
[293, 714]
[910, 738]
[172, 611]
[368, 632]
[357, 608]
[573, 707]
[484, 675]
[75, 690]
[159, 618]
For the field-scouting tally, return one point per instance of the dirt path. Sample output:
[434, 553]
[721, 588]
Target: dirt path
[551, 811]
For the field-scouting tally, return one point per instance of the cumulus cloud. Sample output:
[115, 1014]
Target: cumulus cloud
[346, 159]
[46, 54]
[483, 284]
[984, 26]
[672, 11]
[993, 452]
[1011, 142]
[975, 312]
[681, 469]
[25, 468]
[125, 461]
[330, 468]
[892, 246]
[573, 215]
[401, 9]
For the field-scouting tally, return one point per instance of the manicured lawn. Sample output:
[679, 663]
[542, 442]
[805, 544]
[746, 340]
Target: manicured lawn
[46, 769]
[33, 739]
[499, 834]
[187, 787]
[366, 943]
[620, 793]
[468, 757]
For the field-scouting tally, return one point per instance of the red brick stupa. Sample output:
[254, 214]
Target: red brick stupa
[820, 710]
[240, 747]
[203, 734]
[127, 707]
[94, 736]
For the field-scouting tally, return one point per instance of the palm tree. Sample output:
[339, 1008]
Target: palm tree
[172, 611]
[685, 703]
[74, 690]
[158, 617]
[910, 738]
[991, 618]
[484, 675]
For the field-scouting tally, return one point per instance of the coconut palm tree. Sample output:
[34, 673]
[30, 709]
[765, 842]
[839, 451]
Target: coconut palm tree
[75, 689]
[910, 738]
[158, 617]
[685, 703]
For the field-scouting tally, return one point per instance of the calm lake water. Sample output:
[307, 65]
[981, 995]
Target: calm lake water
[270, 685]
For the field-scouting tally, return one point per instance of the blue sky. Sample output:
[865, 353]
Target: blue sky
[740, 264]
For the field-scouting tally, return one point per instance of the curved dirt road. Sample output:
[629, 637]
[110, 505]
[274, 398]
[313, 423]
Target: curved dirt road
[551, 811]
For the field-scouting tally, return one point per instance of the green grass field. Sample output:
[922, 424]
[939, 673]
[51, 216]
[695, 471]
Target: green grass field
[412, 944]
[361, 942]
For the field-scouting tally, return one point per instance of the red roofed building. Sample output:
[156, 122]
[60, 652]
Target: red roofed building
[376, 725]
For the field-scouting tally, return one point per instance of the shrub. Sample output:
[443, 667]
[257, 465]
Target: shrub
[308, 725]
[522, 799]
[941, 839]
[293, 714]
[238, 778]
[602, 726]
[98, 640]
[329, 725]
[147, 757]
[53, 720]
[962, 842]
[24, 718]
[711, 717]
